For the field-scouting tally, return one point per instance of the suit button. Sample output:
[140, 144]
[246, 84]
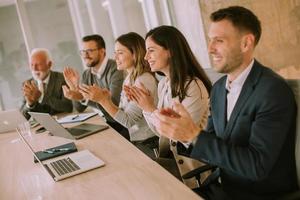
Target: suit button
[173, 144]
[180, 161]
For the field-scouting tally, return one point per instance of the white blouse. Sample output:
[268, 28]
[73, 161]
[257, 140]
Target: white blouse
[196, 102]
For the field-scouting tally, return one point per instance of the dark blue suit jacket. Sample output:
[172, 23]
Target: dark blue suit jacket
[255, 149]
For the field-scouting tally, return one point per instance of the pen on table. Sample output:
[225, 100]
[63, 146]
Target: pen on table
[51, 151]
[75, 117]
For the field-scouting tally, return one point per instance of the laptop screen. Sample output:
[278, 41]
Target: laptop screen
[10, 119]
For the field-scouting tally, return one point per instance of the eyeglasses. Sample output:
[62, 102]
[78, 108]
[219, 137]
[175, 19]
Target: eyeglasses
[87, 51]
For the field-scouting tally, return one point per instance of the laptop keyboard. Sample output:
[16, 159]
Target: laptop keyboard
[64, 166]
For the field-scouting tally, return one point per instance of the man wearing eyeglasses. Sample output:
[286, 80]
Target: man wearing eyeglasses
[101, 72]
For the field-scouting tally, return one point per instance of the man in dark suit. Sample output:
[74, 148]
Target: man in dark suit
[250, 134]
[43, 92]
[102, 72]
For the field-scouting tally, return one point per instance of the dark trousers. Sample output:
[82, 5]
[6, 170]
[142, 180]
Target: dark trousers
[212, 191]
[170, 165]
[148, 146]
[120, 129]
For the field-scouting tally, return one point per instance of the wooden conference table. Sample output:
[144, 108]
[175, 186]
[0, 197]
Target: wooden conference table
[127, 174]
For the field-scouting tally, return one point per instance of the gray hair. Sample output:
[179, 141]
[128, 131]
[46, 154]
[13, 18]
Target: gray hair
[42, 50]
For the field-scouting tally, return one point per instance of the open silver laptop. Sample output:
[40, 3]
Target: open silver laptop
[67, 165]
[10, 119]
[76, 132]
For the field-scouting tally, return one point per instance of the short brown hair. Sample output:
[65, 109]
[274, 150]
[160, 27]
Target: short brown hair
[97, 38]
[241, 18]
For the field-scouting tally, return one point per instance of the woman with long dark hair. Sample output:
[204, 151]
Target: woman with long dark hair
[185, 81]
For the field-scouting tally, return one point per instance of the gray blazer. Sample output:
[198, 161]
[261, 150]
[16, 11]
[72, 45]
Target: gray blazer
[130, 115]
[54, 101]
[111, 79]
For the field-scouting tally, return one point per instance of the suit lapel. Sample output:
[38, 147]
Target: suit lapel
[223, 108]
[246, 91]
[220, 104]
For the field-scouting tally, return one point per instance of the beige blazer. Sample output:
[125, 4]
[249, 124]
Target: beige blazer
[197, 104]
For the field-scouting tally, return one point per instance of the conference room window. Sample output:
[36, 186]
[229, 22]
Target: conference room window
[13, 57]
[93, 14]
[134, 14]
[125, 16]
[30, 24]
[51, 27]
[192, 29]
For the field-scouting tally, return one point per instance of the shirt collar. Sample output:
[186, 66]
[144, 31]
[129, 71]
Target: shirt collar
[240, 80]
[46, 80]
[101, 69]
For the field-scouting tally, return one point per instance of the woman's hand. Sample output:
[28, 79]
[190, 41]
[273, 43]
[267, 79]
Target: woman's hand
[141, 96]
[176, 123]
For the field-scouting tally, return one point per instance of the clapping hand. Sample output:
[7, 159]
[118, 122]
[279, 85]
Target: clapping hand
[95, 93]
[31, 92]
[141, 96]
[72, 94]
[72, 78]
[176, 123]
[71, 91]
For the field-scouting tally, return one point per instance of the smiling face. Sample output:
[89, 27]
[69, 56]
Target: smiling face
[40, 66]
[157, 56]
[225, 42]
[91, 54]
[123, 56]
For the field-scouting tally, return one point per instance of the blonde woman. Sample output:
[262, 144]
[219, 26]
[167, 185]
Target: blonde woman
[129, 55]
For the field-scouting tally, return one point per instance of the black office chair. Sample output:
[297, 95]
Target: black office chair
[295, 85]
[199, 171]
